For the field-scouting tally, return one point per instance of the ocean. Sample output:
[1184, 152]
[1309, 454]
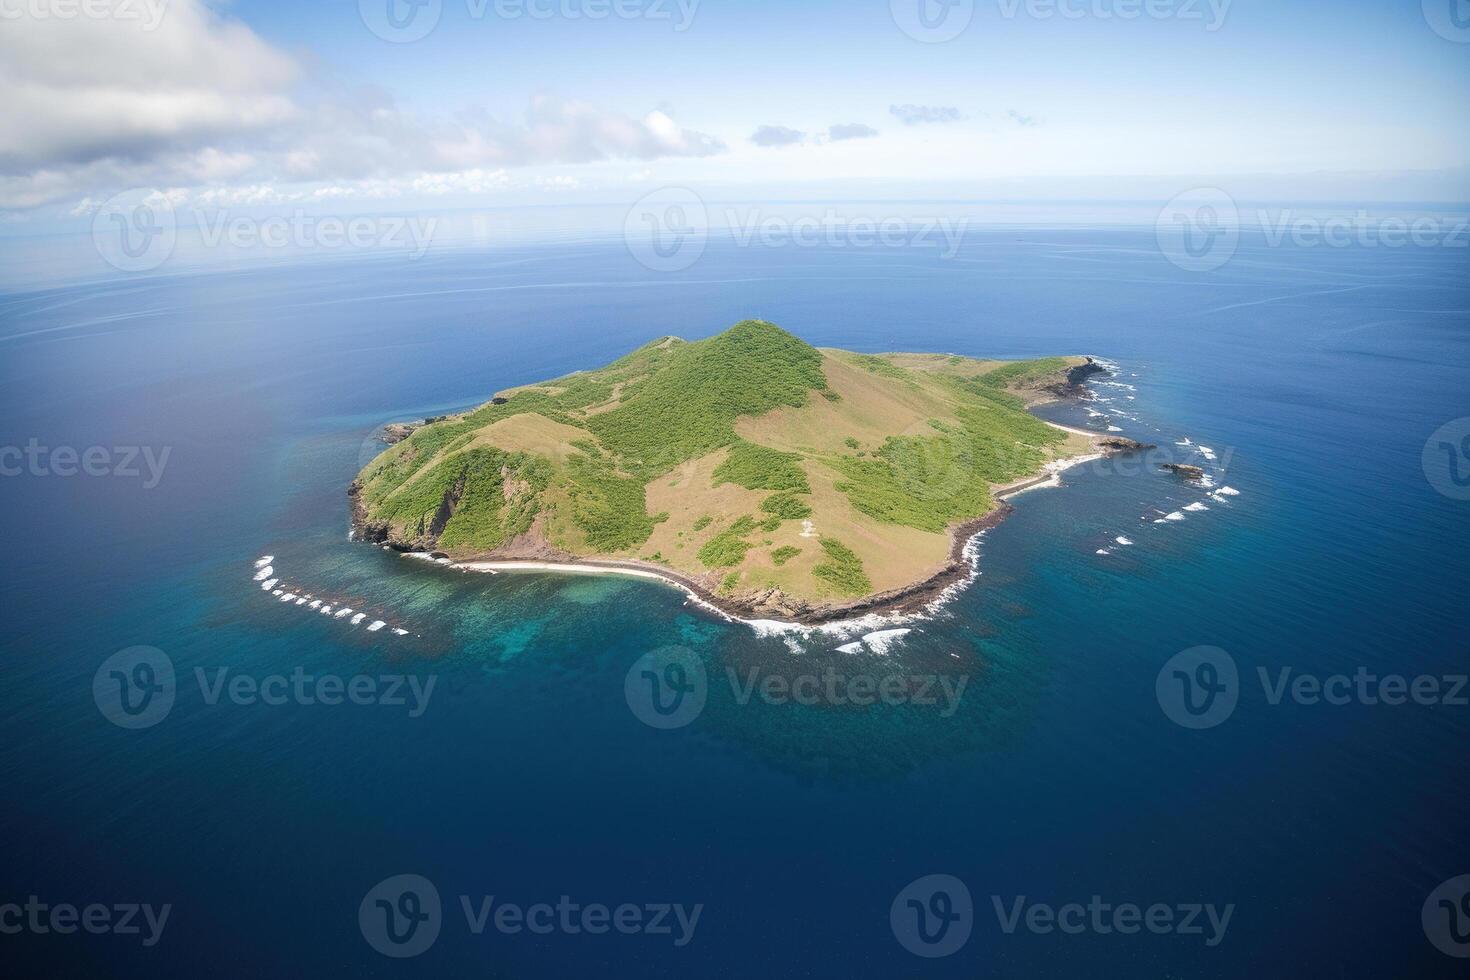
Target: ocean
[1028, 746]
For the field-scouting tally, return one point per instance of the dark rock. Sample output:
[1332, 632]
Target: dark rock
[1117, 444]
[1082, 372]
[1184, 470]
[396, 432]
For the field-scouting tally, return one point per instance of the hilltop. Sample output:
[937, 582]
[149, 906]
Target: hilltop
[774, 478]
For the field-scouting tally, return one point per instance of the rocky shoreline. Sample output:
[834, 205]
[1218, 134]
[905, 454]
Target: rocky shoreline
[768, 605]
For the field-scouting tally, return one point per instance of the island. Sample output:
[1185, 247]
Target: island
[769, 478]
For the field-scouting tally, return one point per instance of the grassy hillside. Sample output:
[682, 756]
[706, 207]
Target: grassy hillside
[748, 461]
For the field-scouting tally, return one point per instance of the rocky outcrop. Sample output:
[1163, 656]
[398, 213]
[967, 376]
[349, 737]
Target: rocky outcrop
[1073, 384]
[396, 432]
[1079, 374]
[1184, 470]
[1118, 444]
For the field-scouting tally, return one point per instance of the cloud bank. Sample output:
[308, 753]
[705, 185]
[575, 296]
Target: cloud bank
[914, 115]
[776, 136]
[850, 131]
[94, 105]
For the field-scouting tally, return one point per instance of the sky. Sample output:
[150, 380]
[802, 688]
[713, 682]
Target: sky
[447, 103]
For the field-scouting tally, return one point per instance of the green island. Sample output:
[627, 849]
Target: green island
[771, 478]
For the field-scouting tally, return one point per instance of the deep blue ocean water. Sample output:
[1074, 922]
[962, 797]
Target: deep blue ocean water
[1316, 375]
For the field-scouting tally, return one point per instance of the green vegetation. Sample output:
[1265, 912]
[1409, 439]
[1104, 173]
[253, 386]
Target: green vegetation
[689, 407]
[784, 554]
[758, 468]
[1023, 372]
[883, 367]
[729, 546]
[786, 507]
[691, 432]
[730, 581]
[481, 495]
[843, 569]
[930, 482]
[609, 508]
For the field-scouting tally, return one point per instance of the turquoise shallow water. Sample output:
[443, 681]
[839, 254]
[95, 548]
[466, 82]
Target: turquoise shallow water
[1315, 375]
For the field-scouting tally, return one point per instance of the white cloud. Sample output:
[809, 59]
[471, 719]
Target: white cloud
[776, 136]
[913, 115]
[98, 105]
